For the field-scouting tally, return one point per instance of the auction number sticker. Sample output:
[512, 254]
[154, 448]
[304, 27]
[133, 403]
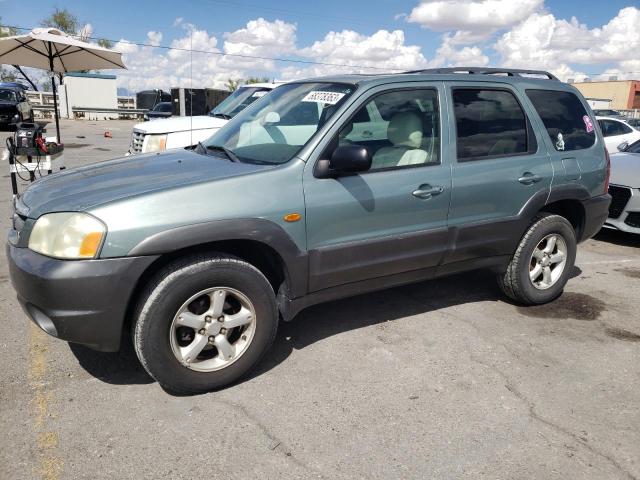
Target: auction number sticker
[330, 98]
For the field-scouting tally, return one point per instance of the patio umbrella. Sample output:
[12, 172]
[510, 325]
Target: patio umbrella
[53, 50]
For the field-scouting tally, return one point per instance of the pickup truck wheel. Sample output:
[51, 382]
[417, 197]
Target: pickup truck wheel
[204, 322]
[542, 263]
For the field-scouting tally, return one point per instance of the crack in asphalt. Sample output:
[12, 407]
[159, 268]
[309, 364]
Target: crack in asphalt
[273, 440]
[511, 386]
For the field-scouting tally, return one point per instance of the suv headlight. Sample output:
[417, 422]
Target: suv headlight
[155, 143]
[67, 235]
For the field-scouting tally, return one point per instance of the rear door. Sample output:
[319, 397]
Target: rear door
[500, 163]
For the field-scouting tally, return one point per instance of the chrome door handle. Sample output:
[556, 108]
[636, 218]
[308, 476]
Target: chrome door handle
[529, 178]
[426, 191]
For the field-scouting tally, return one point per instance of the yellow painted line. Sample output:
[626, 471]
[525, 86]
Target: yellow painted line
[50, 465]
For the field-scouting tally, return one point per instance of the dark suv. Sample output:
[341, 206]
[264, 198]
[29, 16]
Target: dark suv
[324, 188]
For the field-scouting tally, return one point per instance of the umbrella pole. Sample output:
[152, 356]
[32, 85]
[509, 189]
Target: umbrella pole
[55, 95]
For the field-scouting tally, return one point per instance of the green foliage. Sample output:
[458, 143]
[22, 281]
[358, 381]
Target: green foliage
[105, 43]
[257, 80]
[62, 19]
[233, 84]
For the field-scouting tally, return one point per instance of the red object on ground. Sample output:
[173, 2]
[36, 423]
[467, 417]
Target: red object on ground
[107, 134]
[41, 144]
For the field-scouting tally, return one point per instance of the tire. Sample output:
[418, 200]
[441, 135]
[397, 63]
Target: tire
[517, 283]
[161, 307]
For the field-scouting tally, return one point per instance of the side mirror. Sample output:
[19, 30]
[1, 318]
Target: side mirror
[623, 146]
[350, 159]
[344, 160]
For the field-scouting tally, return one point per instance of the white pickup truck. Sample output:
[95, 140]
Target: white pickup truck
[180, 132]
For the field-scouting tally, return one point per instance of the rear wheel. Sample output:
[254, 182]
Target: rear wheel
[204, 322]
[542, 263]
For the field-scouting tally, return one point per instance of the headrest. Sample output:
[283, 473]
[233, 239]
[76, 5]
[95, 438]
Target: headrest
[405, 129]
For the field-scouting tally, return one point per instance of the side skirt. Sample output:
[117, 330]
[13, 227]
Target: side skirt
[289, 308]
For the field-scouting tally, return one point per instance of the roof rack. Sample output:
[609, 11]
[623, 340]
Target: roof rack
[509, 72]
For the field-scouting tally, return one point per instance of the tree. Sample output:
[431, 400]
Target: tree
[105, 43]
[62, 19]
[232, 85]
[257, 80]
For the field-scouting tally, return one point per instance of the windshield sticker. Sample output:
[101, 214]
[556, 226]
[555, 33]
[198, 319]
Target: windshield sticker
[560, 142]
[588, 123]
[330, 98]
[259, 94]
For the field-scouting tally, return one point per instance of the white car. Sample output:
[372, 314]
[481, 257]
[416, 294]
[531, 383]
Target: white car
[616, 132]
[180, 132]
[624, 188]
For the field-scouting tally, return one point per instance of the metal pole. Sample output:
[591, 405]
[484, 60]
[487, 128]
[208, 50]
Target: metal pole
[55, 99]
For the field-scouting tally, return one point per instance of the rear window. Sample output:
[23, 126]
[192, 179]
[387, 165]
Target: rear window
[565, 118]
[489, 124]
[612, 128]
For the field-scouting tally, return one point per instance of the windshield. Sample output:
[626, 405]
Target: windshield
[238, 101]
[634, 147]
[162, 107]
[274, 130]
[8, 96]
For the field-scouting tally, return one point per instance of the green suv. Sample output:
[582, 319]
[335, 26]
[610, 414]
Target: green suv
[325, 188]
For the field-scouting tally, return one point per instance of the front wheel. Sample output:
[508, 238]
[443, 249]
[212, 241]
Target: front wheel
[542, 263]
[204, 322]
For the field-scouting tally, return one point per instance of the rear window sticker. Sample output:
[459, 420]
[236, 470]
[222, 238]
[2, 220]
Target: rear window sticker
[560, 142]
[588, 124]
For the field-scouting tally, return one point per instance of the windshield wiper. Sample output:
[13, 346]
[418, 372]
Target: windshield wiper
[228, 152]
[224, 116]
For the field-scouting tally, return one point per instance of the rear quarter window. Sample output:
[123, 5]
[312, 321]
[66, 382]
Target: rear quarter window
[565, 119]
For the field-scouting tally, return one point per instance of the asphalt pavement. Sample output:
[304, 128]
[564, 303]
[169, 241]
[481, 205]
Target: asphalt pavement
[443, 379]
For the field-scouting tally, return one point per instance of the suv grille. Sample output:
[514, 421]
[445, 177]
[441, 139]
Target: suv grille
[619, 198]
[633, 219]
[137, 139]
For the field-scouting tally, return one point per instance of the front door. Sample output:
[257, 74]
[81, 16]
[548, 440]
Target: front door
[393, 218]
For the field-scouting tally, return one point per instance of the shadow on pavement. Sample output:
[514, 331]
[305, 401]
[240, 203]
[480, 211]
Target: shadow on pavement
[618, 237]
[325, 320]
[319, 322]
[118, 368]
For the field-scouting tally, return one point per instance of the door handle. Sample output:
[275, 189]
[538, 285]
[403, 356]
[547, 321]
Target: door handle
[426, 191]
[529, 178]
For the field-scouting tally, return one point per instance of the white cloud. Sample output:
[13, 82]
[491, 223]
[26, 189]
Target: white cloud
[473, 19]
[544, 42]
[384, 50]
[450, 56]
[524, 36]
[260, 38]
[155, 38]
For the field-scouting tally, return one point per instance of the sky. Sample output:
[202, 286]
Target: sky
[570, 38]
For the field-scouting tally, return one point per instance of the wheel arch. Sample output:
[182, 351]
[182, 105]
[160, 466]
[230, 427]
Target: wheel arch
[262, 243]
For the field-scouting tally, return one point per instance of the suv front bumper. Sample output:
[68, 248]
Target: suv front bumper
[80, 301]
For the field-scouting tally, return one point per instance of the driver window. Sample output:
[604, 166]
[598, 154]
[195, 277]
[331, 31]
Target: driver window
[399, 129]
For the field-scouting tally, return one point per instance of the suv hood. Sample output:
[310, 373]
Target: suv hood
[179, 124]
[87, 187]
[625, 169]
